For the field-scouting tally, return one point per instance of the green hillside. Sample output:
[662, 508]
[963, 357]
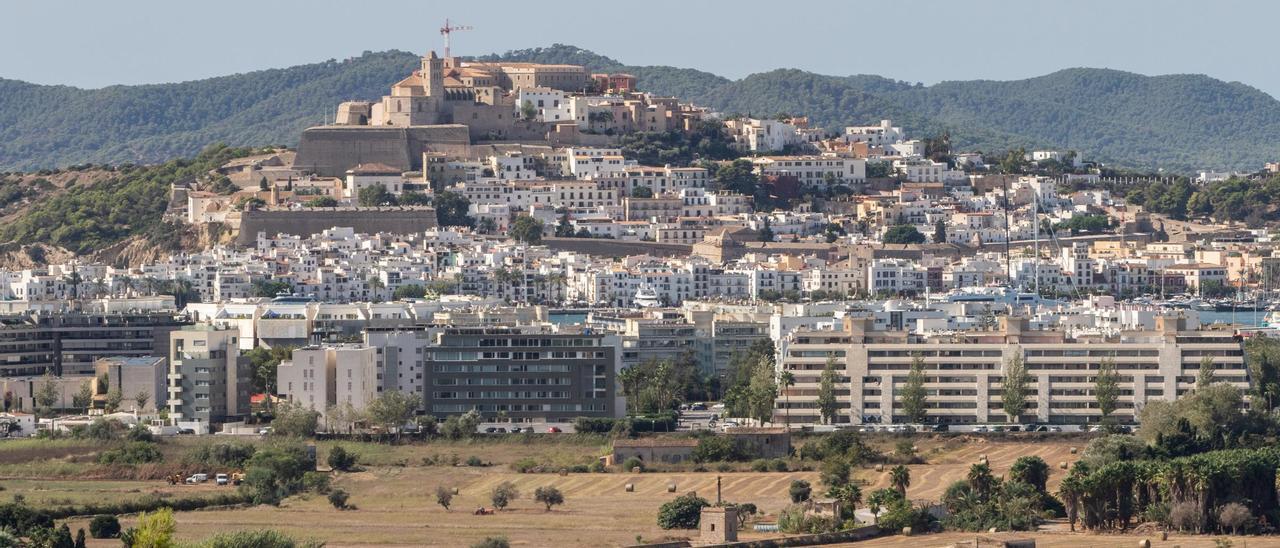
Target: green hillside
[1178, 122]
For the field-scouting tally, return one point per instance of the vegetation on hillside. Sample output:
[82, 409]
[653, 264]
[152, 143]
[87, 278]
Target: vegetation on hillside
[131, 203]
[46, 126]
[1173, 122]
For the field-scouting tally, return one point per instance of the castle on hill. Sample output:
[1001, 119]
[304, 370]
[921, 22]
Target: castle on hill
[447, 105]
[447, 91]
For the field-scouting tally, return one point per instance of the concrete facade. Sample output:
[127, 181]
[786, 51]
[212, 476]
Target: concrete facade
[208, 379]
[965, 370]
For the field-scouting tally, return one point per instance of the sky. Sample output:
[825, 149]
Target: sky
[94, 44]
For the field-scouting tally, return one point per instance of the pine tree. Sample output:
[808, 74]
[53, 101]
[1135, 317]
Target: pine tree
[914, 395]
[1014, 397]
[1107, 388]
[827, 392]
[1205, 377]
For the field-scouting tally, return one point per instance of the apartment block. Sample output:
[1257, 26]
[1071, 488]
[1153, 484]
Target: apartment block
[319, 377]
[209, 381]
[68, 343]
[529, 373]
[965, 370]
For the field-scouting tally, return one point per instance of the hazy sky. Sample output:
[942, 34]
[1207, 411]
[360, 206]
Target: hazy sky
[91, 43]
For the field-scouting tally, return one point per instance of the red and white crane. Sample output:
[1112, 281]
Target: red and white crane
[448, 29]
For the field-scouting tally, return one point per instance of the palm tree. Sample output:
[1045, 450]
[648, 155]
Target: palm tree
[557, 281]
[74, 279]
[130, 284]
[900, 478]
[787, 380]
[375, 284]
[99, 287]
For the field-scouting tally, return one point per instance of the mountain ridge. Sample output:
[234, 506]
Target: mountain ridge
[1176, 121]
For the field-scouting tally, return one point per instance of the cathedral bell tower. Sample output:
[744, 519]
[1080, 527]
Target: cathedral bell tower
[433, 75]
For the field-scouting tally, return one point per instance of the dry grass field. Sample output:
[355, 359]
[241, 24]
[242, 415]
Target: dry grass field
[395, 495]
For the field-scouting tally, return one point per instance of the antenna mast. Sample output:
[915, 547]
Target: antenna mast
[448, 29]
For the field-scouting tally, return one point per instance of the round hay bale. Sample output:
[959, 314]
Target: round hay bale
[636, 470]
[906, 531]
[982, 456]
[879, 468]
[1073, 450]
[564, 471]
[1062, 465]
[993, 530]
[630, 487]
[671, 487]
[1144, 543]
[455, 490]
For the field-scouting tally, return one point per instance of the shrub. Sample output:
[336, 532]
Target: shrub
[523, 465]
[338, 498]
[221, 455]
[132, 452]
[633, 463]
[682, 512]
[257, 539]
[342, 460]
[474, 461]
[718, 449]
[597, 467]
[902, 514]
[276, 472]
[492, 542]
[760, 465]
[104, 527]
[800, 491]
[1235, 517]
[1032, 470]
[835, 472]
[503, 494]
[549, 496]
[315, 482]
[779, 465]
[444, 496]
[1186, 516]
[592, 425]
[794, 520]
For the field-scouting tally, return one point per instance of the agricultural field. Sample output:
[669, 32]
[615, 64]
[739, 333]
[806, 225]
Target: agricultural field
[393, 491]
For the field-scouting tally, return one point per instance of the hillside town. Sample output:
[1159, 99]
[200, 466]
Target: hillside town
[882, 245]
[528, 248]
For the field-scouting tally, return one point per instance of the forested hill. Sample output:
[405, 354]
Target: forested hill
[53, 126]
[1178, 122]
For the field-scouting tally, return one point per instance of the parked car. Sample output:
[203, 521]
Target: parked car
[490, 430]
[221, 479]
[981, 429]
[941, 428]
[997, 429]
[554, 430]
[867, 429]
[698, 407]
[198, 478]
[1055, 428]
